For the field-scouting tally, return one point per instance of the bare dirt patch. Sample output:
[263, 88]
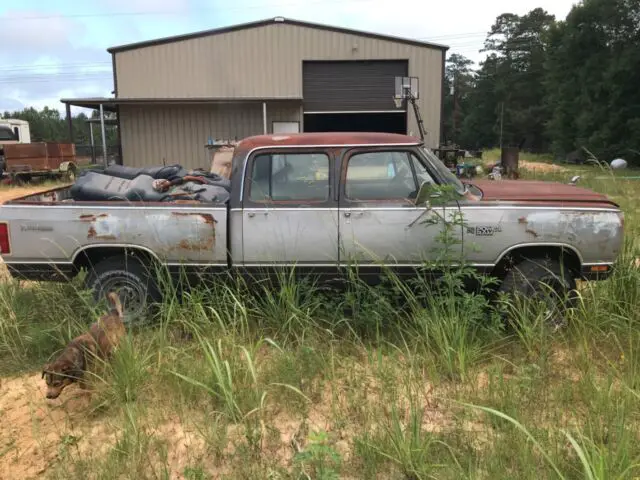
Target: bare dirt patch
[532, 166]
[34, 429]
[541, 167]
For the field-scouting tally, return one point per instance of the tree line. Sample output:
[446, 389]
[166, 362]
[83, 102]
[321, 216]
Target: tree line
[549, 85]
[48, 125]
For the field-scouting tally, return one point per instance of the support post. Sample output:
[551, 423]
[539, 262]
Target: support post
[93, 143]
[69, 123]
[104, 136]
[264, 117]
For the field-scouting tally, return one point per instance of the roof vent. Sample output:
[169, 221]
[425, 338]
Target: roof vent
[278, 19]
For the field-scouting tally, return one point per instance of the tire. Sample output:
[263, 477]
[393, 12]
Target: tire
[544, 279]
[132, 279]
[70, 175]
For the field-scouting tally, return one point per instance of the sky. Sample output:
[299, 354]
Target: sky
[54, 49]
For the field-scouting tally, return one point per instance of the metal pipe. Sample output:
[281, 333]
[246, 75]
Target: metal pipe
[69, 122]
[104, 136]
[264, 117]
[93, 143]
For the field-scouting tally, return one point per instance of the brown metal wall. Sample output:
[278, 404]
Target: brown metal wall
[266, 62]
[153, 135]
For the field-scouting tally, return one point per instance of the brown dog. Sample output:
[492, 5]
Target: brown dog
[100, 341]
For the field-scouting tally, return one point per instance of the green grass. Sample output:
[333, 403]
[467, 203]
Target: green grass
[385, 382]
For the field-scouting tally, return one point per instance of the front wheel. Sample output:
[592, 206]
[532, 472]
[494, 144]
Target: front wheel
[543, 280]
[132, 280]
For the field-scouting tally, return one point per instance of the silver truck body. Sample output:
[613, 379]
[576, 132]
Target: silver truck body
[50, 232]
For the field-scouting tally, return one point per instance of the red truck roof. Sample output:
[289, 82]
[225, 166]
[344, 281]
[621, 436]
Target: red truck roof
[325, 139]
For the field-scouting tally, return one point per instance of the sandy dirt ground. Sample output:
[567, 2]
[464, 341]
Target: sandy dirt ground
[34, 430]
[541, 167]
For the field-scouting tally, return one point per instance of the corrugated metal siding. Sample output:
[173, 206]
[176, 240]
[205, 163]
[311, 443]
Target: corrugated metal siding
[153, 135]
[267, 62]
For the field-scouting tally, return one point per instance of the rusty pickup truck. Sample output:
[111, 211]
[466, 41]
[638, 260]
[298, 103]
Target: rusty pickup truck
[320, 202]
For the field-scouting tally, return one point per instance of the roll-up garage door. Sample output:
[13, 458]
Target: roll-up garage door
[351, 86]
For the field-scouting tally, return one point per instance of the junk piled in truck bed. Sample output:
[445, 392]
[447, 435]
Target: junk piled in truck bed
[170, 183]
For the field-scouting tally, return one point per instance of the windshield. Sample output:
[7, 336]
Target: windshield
[444, 171]
[7, 134]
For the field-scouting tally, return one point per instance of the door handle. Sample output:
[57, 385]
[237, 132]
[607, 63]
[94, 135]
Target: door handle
[251, 214]
[347, 214]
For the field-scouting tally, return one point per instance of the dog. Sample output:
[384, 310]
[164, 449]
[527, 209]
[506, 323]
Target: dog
[100, 341]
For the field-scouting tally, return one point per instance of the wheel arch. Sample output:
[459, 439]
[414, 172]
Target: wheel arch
[92, 254]
[566, 254]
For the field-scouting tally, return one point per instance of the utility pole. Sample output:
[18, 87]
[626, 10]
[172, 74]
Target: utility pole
[501, 122]
[455, 106]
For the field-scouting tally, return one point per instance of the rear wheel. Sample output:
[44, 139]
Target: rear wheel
[133, 281]
[544, 280]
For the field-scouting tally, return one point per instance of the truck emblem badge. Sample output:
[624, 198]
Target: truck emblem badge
[484, 230]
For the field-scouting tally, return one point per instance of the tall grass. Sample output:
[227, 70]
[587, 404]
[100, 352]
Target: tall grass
[276, 379]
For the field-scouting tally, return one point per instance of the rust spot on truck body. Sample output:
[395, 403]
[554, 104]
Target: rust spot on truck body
[195, 245]
[205, 240]
[207, 217]
[93, 235]
[88, 217]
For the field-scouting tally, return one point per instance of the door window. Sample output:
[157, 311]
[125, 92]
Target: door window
[290, 177]
[388, 175]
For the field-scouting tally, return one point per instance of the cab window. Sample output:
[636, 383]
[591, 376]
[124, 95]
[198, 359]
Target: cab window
[289, 177]
[384, 175]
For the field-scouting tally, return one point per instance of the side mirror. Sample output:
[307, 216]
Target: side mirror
[427, 192]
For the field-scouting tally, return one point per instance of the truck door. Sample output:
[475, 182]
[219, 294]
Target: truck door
[289, 213]
[379, 223]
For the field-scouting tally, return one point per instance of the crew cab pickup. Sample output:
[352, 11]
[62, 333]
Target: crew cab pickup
[320, 202]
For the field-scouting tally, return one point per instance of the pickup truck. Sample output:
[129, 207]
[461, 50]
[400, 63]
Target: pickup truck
[320, 202]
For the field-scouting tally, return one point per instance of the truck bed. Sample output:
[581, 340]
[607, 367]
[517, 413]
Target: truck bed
[50, 227]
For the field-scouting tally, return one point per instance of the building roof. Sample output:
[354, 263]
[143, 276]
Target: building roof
[272, 21]
[326, 139]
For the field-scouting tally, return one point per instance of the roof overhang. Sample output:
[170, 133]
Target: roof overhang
[109, 103]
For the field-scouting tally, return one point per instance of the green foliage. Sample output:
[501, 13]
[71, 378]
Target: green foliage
[561, 85]
[319, 457]
[593, 69]
[48, 125]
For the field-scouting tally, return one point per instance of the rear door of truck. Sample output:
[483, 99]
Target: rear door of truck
[289, 212]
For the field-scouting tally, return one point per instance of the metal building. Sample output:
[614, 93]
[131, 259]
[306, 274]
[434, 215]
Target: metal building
[173, 95]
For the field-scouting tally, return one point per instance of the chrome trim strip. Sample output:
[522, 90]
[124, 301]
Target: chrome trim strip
[536, 207]
[497, 207]
[184, 264]
[542, 244]
[169, 207]
[223, 209]
[114, 245]
[329, 112]
[35, 262]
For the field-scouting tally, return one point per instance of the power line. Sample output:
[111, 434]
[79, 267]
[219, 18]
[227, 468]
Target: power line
[176, 11]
